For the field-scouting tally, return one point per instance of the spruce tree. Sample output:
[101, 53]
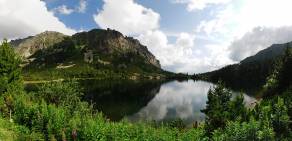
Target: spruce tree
[10, 71]
[285, 77]
[217, 109]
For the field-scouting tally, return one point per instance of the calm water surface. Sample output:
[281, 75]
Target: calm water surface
[148, 101]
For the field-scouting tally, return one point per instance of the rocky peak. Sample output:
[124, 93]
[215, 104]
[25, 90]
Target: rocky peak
[28, 46]
[111, 41]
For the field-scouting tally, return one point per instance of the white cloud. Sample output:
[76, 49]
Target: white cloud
[127, 17]
[258, 39]
[184, 55]
[82, 6]
[241, 21]
[222, 22]
[21, 18]
[63, 9]
[169, 54]
[200, 4]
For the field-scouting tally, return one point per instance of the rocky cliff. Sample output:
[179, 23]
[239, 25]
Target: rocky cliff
[113, 42]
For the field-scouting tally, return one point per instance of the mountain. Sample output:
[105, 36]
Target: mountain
[113, 42]
[96, 53]
[269, 53]
[30, 45]
[250, 73]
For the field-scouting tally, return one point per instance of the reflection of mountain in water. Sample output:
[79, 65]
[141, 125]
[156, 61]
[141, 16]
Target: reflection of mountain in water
[118, 99]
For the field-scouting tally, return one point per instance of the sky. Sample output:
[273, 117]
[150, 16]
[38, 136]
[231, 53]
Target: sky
[190, 36]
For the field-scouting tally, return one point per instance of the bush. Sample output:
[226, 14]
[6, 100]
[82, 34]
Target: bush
[246, 131]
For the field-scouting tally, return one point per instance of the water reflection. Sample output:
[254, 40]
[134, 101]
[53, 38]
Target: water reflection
[149, 101]
[117, 99]
[176, 100]
[182, 100]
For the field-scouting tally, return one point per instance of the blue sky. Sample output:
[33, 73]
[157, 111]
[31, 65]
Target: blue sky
[168, 10]
[185, 35]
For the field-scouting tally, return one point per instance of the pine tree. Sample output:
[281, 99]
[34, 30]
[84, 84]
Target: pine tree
[10, 76]
[285, 77]
[217, 109]
[280, 118]
[237, 109]
[10, 71]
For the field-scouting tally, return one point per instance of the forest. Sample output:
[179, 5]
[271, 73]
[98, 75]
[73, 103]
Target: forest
[56, 111]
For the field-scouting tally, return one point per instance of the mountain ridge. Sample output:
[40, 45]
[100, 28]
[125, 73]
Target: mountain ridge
[251, 72]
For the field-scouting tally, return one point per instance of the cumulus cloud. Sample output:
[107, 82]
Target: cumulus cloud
[24, 18]
[184, 55]
[250, 26]
[63, 9]
[127, 16]
[82, 6]
[200, 4]
[258, 39]
[169, 54]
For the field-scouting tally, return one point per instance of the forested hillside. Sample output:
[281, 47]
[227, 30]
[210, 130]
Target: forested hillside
[250, 72]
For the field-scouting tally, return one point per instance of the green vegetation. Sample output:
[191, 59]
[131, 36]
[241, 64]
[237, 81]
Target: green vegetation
[221, 109]
[9, 68]
[250, 73]
[56, 112]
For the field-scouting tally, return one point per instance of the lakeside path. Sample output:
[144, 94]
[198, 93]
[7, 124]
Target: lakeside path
[42, 81]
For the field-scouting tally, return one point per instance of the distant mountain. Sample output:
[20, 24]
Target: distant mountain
[104, 53]
[251, 72]
[269, 53]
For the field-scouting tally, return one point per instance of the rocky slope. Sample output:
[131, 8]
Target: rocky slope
[30, 45]
[113, 42]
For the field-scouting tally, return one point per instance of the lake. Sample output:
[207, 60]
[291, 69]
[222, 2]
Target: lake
[151, 101]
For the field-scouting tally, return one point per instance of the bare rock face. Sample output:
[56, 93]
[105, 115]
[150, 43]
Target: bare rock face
[28, 46]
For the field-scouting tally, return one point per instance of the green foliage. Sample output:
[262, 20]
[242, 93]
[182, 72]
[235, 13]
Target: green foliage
[284, 76]
[10, 72]
[237, 109]
[60, 93]
[220, 108]
[280, 118]
[274, 114]
[10, 132]
[246, 131]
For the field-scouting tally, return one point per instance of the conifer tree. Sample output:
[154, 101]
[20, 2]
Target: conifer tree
[217, 109]
[10, 71]
[285, 77]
